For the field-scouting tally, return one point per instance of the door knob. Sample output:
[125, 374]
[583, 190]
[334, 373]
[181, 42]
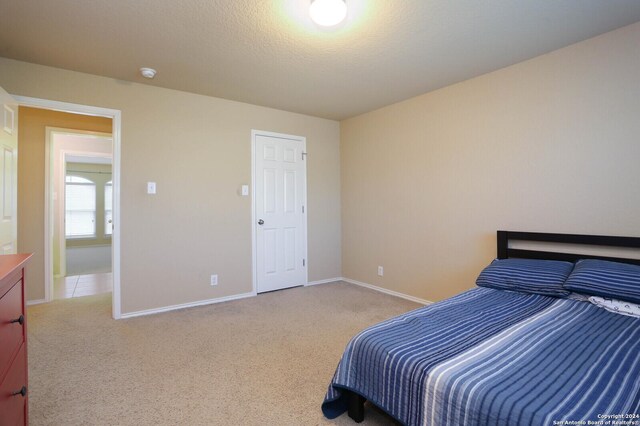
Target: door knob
[261, 222]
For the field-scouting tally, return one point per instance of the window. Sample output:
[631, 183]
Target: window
[80, 207]
[108, 208]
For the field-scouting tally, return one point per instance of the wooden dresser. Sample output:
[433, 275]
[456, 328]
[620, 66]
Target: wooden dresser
[13, 341]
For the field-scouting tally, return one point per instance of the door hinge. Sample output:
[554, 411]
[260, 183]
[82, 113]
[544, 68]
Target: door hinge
[304, 154]
[302, 209]
[304, 262]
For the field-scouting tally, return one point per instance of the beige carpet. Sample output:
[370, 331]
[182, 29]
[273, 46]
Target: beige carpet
[265, 360]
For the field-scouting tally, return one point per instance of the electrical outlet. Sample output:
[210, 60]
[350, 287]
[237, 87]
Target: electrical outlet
[380, 271]
[214, 280]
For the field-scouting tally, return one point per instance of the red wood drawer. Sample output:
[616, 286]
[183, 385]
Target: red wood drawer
[11, 333]
[13, 407]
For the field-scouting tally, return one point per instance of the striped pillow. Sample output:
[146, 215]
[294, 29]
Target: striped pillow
[527, 275]
[606, 279]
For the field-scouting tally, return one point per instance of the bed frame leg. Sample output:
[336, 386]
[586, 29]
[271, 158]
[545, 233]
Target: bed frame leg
[356, 407]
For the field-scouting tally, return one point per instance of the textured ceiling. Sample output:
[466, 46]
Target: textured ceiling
[268, 52]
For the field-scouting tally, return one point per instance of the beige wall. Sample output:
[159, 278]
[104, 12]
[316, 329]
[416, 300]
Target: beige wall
[551, 144]
[198, 150]
[31, 166]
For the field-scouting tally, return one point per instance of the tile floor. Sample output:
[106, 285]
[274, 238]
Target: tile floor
[82, 285]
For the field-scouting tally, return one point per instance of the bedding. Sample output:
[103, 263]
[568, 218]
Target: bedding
[527, 275]
[606, 279]
[618, 306]
[494, 357]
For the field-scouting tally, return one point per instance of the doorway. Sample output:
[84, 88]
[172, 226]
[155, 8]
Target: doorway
[115, 116]
[279, 211]
[82, 206]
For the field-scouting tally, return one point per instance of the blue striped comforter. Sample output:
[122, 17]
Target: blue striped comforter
[493, 357]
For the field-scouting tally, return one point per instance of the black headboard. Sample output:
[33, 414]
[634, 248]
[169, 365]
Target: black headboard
[504, 251]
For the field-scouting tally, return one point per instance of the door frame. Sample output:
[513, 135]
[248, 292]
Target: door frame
[116, 132]
[50, 179]
[254, 225]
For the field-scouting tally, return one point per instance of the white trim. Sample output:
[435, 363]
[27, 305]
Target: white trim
[48, 220]
[254, 258]
[387, 291]
[90, 160]
[88, 245]
[116, 134]
[65, 106]
[36, 302]
[327, 281]
[9, 119]
[187, 305]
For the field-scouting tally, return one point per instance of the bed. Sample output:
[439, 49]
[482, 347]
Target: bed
[528, 346]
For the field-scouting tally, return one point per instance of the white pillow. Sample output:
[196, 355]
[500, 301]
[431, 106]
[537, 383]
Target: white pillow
[617, 306]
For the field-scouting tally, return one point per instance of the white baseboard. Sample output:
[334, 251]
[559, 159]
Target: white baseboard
[386, 291]
[327, 281]
[186, 305]
[252, 294]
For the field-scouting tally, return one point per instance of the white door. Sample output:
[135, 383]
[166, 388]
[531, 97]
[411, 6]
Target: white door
[8, 173]
[280, 217]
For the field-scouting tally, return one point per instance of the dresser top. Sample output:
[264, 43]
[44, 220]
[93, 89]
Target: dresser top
[10, 262]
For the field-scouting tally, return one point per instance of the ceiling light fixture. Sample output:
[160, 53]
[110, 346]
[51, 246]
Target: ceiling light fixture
[328, 13]
[148, 72]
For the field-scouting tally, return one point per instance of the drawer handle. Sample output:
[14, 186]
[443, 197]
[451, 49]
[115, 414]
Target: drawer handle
[22, 392]
[20, 319]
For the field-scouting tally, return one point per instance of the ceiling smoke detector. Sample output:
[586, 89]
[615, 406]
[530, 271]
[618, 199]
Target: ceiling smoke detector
[148, 72]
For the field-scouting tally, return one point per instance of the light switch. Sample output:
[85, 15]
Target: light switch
[151, 187]
[245, 190]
